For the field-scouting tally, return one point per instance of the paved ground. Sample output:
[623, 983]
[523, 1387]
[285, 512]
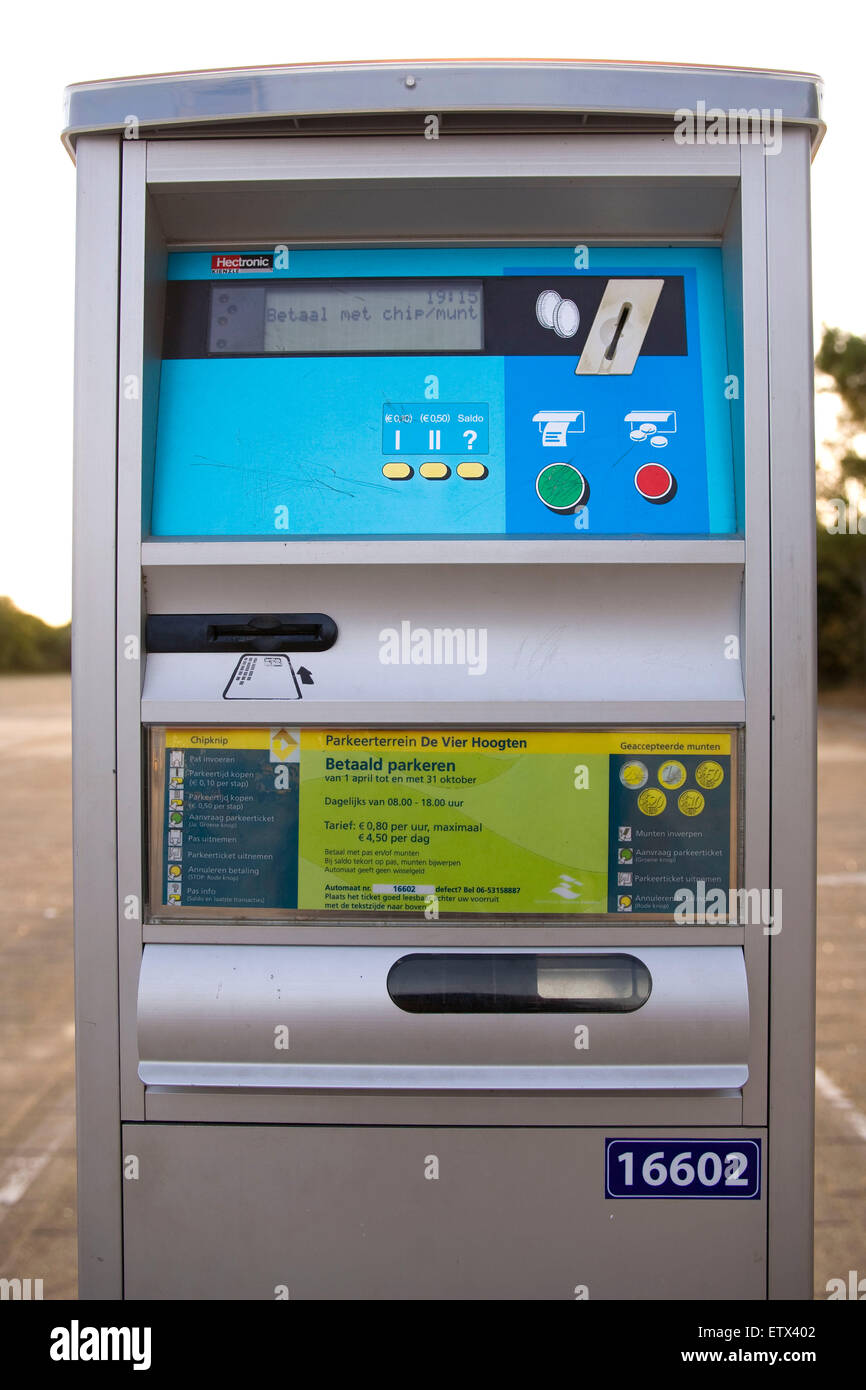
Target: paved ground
[37, 1143]
[37, 1163]
[840, 1206]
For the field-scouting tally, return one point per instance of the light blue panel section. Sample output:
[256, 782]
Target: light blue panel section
[451, 260]
[717, 412]
[239, 440]
[372, 261]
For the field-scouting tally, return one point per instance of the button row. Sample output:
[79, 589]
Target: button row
[563, 488]
[400, 472]
[560, 486]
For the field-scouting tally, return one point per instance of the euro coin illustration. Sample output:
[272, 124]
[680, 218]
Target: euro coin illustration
[633, 775]
[710, 775]
[672, 775]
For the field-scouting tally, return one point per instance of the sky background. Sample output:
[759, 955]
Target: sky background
[49, 47]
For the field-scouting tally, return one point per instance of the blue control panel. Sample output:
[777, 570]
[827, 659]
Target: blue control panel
[446, 392]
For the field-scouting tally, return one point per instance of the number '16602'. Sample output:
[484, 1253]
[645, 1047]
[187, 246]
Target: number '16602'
[682, 1167]
[708, 1170]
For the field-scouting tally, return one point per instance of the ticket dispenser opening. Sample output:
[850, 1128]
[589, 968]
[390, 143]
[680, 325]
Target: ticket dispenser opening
[435, 651]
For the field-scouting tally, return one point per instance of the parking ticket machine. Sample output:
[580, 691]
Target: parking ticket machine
[443, 704]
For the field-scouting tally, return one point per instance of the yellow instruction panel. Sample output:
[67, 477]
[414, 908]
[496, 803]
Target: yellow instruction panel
[438, 821]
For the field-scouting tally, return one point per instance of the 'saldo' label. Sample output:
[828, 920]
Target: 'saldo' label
[709, 1168]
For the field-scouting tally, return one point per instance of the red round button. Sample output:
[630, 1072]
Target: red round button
[655, 482]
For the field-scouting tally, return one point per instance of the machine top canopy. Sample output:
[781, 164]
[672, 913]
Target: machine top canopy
[469, 96]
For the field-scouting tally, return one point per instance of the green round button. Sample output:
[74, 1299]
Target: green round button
[561, 487]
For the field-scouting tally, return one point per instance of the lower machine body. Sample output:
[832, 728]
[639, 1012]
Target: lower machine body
[414, 1212]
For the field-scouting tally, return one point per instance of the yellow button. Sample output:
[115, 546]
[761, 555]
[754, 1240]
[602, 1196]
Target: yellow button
[473, 469]
[434, 470]
[397, 470]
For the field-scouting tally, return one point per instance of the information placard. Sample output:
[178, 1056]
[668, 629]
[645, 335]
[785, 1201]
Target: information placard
[437, 821]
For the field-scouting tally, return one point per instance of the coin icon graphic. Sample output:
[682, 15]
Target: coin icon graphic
[652, 801]
[672, 775]
[633, 775]
[710, 775]
[691, 803]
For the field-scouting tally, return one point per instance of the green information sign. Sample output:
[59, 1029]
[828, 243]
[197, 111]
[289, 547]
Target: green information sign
[432, 822]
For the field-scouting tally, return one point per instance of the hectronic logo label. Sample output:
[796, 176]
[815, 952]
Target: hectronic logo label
[438, 646]
[242, 263]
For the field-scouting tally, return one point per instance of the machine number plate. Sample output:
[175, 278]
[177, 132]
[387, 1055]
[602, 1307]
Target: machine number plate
[682, 1168]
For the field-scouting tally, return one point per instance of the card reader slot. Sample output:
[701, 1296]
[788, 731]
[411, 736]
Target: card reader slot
[240, 632]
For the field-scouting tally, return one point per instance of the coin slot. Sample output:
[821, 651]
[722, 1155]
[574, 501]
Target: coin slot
[618, 332]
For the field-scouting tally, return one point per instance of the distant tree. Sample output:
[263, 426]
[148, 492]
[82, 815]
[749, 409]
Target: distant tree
[29, 644]
[841, 522]
[842, 356]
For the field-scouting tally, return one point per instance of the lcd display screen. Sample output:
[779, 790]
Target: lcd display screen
[348, 316]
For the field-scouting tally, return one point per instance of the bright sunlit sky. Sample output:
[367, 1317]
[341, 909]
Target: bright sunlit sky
[52, 47]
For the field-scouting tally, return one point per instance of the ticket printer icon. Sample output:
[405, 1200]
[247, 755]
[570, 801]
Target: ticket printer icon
[555, 425]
